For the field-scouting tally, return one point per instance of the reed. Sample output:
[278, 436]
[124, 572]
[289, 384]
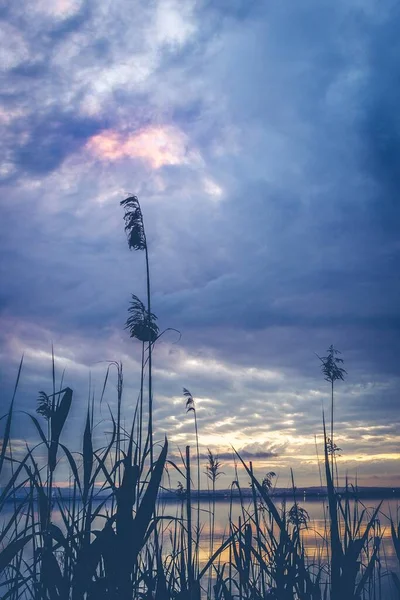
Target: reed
[136, 236]
[332, 371]
[191, 407]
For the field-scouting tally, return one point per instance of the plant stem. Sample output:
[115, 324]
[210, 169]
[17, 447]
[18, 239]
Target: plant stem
[140, 441]
[332, 453]
[198, 492]
[150, 360]
[189, 518]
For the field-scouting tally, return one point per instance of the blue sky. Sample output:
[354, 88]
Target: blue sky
[262, 139]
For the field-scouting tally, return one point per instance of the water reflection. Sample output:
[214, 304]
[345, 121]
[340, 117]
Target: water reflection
[314, 536]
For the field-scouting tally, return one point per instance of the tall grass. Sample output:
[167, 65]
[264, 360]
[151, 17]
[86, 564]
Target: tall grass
[98, 542]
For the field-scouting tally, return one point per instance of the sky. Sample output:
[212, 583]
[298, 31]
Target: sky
[263, 141]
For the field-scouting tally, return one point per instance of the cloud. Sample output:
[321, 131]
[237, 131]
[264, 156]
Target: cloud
[262, 141]
[59, 8]
[51, 139]
[14, 48]
[159, 146]
[230, 456]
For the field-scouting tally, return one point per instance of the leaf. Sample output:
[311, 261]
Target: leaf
[73, 466]
[52, 577]
[62, 412]
[176, 467]
[38, 427]
[368, 571]
[147, 506]
[161, 589]
[12, 480]
[57, 534]
[396, 540]
[396, 582]
[7, 429]
[87, 561]
[87, 457]
[57, 423]
[101, 461]
[126, 498]
[11, 550]
[6, 528]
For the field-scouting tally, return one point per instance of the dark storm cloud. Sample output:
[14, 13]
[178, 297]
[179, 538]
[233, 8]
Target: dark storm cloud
[52, 137]
[245, 454]
[381, 125]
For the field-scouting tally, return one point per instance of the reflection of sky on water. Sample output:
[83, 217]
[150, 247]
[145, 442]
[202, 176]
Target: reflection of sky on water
[314, 537]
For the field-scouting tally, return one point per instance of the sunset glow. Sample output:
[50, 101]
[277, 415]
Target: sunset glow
[158, 146]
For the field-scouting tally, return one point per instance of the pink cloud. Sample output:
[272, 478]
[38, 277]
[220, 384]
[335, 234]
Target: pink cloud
[157, 145]
[58, 8]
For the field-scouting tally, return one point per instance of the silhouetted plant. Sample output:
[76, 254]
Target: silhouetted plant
[267, 481]
[140, 324]
[332, 448]
[191, 407]
[144, 328]
[298, 516]
[134, 226]
[332, 372]
[180, 492]
[395, 531]
[44, 406]
[213, 467]
[55, 410]
[212, 471]
[136, 235]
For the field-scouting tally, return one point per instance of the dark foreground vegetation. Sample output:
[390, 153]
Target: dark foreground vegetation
[114, 538]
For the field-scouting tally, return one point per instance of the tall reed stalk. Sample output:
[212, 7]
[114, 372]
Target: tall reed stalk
[191, 407]
[189, 521]
[332, 371]
[136, 234]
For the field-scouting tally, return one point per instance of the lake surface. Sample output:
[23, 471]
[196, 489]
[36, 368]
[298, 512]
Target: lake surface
[313, 535]
[317, 510]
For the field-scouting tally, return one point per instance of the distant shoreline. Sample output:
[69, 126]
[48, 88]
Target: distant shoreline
[302, 494]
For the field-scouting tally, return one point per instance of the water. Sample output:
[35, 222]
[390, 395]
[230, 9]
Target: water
[316, 509]
[313, 536]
